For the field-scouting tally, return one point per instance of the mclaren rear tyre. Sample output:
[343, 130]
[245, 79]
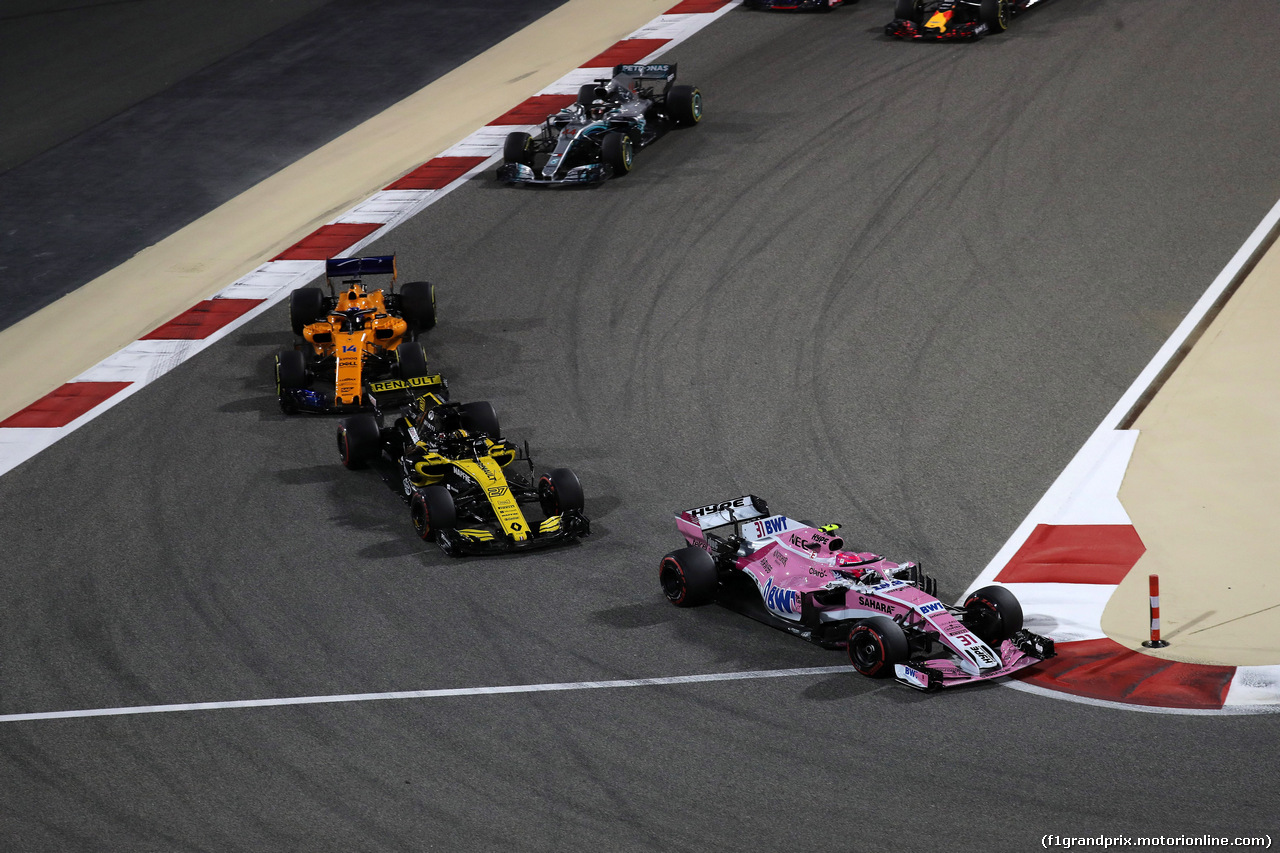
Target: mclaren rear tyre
[993, 613]
[909, 10]
[306, 306]
[618, 152]
[418, 305]
[359, 440]
[684, 105]
[433, 513]
[518, 149]
[688, 577]
[411, 359]
[876, 644]
[480, 417]
[995, 14]
[559, 491]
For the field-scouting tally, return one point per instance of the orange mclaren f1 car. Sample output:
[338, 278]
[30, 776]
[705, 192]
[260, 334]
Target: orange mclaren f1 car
[353, 337]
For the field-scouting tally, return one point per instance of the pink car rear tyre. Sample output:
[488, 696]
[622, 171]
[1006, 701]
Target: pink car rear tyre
[688, 577]
[875, 645]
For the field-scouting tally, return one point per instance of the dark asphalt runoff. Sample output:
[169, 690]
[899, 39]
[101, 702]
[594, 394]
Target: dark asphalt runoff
[127, 120]
[890, 285]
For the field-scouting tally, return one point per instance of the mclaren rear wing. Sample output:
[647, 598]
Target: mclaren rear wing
[349, 269]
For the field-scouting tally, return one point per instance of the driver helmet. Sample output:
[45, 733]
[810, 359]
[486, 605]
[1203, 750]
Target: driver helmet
[455, 441]
[600, 105]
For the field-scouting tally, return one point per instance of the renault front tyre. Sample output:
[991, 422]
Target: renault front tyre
[559, 491]
[688, 577]
[433, 512]
[359, 440]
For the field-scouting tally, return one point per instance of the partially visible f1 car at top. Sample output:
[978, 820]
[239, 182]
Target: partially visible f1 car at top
[353, 336]
[449, 462]
[798, 577]
[598, 136]
[820, 5]
[953, 19]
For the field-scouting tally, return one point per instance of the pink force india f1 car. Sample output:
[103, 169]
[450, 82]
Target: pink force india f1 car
[798, 577]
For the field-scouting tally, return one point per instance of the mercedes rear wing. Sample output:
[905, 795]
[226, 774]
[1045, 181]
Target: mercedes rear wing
[647, 72]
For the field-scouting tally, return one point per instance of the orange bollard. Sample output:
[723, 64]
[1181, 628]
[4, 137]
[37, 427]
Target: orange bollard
[1155, 642]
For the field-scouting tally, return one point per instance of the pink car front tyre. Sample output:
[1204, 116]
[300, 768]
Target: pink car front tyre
[875, 645]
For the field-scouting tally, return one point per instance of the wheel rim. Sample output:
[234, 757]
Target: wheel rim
[697, 106]
[421, 523]
[548, 498]
[986, 620]
[626, 152]
[865, 652]
[672, 580]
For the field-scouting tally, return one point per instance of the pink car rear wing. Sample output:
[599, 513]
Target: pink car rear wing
[693, 523]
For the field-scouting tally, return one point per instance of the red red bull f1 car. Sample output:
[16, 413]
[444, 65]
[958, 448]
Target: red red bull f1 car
[943, 20]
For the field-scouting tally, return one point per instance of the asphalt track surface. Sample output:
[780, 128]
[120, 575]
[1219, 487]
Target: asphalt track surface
[895, 286]
[132, 119]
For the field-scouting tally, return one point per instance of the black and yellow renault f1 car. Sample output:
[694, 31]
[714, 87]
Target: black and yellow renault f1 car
[944, 20]
[449, 462]
[354, 336]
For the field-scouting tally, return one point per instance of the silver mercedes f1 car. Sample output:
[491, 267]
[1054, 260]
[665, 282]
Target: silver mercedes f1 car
[598, 135]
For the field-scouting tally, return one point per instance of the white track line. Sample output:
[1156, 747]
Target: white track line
[426, 694]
